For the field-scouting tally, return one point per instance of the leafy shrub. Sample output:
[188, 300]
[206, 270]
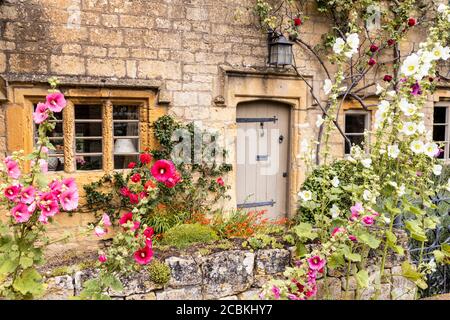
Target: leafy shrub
[159, 272]
[183, 235]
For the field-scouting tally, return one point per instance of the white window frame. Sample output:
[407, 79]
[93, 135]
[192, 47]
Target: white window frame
[367, 124]
[444, 104]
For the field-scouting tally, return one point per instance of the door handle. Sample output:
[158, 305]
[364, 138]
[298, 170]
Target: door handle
[284, 174]
[281, 139]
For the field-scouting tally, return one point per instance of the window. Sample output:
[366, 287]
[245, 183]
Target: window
[355, 123]
[440, 127]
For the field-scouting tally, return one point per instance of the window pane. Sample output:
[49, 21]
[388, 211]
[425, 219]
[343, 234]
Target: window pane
[89, 112]
[121, 162]
[355, 123]
[439, 133]
[89, 162]
[126, 129]
[440, 115]
[88, 129]
[126, 124]
[354, 140]
[125, 113]
[89, 146]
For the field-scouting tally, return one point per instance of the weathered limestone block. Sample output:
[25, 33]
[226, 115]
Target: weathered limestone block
[186, 293]
[144, 296]
[183, 272]
[136, 283]
[252, 294]
[229, 298]
[329, 289]
[272, 261]
[82, 276]
[227, 273]
[402, 288]
[59, 288]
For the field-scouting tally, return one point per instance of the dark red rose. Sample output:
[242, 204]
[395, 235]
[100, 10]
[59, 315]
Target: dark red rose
[373, 48]
[391, 42]
[411, 22]
[387, 78]
[297, 22]
[136, 178]
[145, 158]
[372, 62]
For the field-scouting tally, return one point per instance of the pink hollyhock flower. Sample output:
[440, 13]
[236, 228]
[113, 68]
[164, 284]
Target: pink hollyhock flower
[162, 170]
[311, 292]
[356, 210]
[220, 181]
[69, 183]
[316, 263]
[48, 204]
[337, 230]
[143, 256]
[27, 195]
[43, 219]
[11, 192]
[136, 178]
[106, 220]
[173, 181]
[12, 168]
[56, 102]
[131, 165]
[102, 258]
[145, 158]
[124, 191]
[352, 238]
[134, 198]
[40, 114]
[276, 292]
[55, 187]
[148, 234]
[44, 149]
[293, 297]
[43, 165]
[368, 220]
[20, 213]
[32, 207]
[129, 217]
[69, 199]
[99, 231]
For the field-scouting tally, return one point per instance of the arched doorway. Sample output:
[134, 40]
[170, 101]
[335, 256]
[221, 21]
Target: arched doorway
[262, 151]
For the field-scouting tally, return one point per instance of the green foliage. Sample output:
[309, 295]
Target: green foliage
[184, 235]
[159, 272]
[262, 241]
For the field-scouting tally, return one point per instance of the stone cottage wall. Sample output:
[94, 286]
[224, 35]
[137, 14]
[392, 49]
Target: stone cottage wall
[231, 275]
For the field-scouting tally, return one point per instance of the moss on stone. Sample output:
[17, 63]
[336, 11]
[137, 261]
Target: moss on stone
[184, 235]
[159, 272]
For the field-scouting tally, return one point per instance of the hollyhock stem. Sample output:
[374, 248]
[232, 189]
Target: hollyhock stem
[347, 278]
[383, 259]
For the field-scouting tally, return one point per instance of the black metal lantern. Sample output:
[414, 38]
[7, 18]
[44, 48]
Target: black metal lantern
[280, 50]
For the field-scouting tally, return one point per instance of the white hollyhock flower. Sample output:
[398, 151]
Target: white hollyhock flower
[421, 127]
[409, 128]
[335, 182]
[384, 105]
[431, 149]
[379, 89]
[334, 211]
[367, 195]
[401, 190]
[439, 52]
[393, 151]
[417, 146]
[391, 93]
[437, 169]
[339, 46]
[411, 65]
[366, 163]
[441, 8]
[305, 195]
[353, 40]
[407, 108]
[319, 121]
[327, 86]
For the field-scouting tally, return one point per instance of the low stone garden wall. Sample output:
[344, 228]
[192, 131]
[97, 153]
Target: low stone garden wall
[232, 274]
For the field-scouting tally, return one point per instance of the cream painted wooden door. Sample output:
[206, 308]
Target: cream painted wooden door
[262, 157]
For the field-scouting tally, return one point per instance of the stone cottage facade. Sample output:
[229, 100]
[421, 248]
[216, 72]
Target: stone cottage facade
[124, 63]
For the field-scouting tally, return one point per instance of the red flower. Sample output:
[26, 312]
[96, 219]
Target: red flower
[145, 158]
[372, 62]
[391, 42]
[162, 170]
[136, 178]
[125, 191]
[148, 234]
[131, 165]
[173, 181]
[373, 48]
[127, 217]
[134, 198]
[102, 258]
[411, 22]
[143, 256]
[297, 22]
[220, 181]
[387, 78]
